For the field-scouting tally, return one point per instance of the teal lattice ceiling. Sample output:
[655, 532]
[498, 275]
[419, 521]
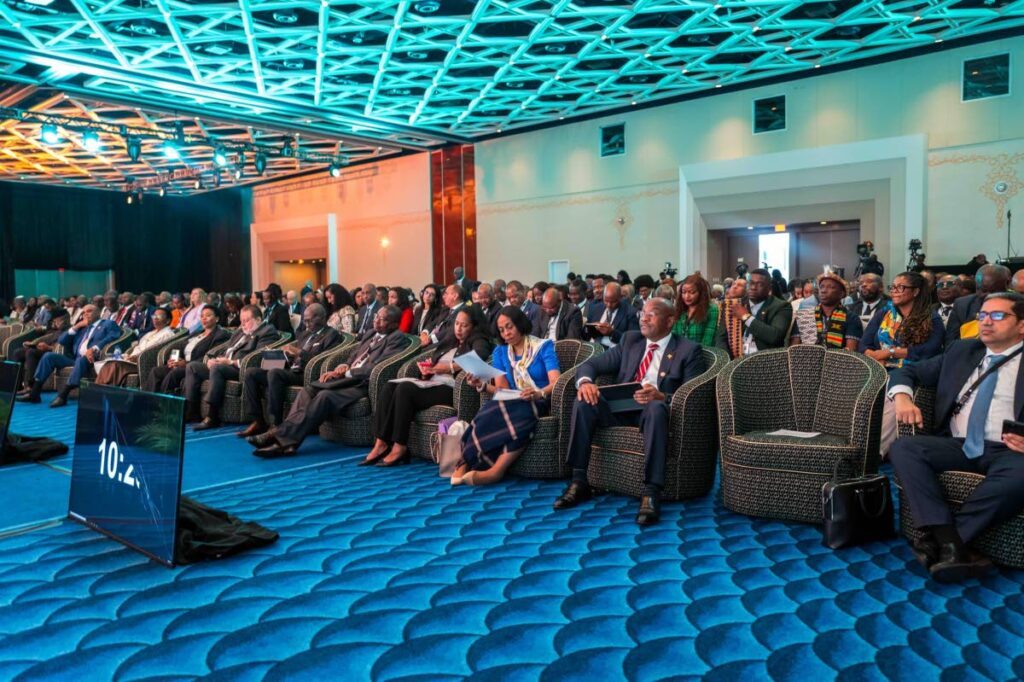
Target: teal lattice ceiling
[415, 74]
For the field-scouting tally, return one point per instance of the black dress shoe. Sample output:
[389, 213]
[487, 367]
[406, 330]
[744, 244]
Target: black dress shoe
[275, 451]
[208, 423]
[59, 401]
[370, 461]
[926, 550]
[573, 495]
[263, 439]
[404, 459]
[649, 512]
[254, 429]
[28, 398]
[956, 563]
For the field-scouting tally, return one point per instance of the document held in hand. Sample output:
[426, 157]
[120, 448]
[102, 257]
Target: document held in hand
[473, 364]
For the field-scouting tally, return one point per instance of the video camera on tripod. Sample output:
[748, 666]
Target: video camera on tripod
[916, 261]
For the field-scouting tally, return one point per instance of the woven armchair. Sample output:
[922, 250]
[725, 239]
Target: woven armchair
[59, 379]
[9, 330]
[465, 400]
[545, 456]
[312, 372]
[8, 345]
[354, 425]
[148, 359]
[1004, 543]
[232, 411]
[617, 453]
[836, 393]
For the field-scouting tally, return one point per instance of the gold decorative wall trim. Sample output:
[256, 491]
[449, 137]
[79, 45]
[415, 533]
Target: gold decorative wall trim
[585, 200]
[1002, 182]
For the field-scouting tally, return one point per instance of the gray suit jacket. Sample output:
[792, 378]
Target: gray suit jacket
[377, 350]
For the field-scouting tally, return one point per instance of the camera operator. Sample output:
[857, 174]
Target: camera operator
[869, 263]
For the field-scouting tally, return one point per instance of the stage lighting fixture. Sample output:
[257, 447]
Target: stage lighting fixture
[335, 170]
[288, 149]
[50, 133]
[134, 148]
[220, 157]
[130, 198]
[260, 163]
[91, 140]
[198, 184]
[216, 178]
[239, 172]
[171, 150]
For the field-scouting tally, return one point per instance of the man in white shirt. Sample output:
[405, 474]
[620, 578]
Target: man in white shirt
[978, 385]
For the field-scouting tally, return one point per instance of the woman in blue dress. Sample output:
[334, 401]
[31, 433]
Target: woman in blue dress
[503, 428]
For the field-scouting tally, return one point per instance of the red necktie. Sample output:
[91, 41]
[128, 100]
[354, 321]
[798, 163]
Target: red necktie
[642, 370]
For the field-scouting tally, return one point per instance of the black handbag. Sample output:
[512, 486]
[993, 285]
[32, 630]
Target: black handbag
[856, 510]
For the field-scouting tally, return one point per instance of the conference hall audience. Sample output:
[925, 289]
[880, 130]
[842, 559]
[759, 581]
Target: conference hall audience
[504, 425]
[315, 338]
[19, 310]
[334, 390]
[295, 306]
[969, 419]
[222, 365]
[139, 317]
[828, 323]
[169, 377]
[517, 295]
[454, 299]
[41, 341]
[340, 307]
[660, 362]
[115, 372]
[398, 402]
[275, 311]
[696, 316]
[963, 322]
[488, 307]
[82, 345]
[190, 318]
[111, 306]
[499, 292]
[399, 297]
[429, 310]
[870, 288]
[559, 319]
[758, 324]
[947, 290]
[231, 315]
[610, 318]
[579, 296]
[1017, 282]
[468, 285]
[366, 314]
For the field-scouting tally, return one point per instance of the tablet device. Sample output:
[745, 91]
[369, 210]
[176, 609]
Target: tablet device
[1016, 428]
[620, 397]
[273, 359]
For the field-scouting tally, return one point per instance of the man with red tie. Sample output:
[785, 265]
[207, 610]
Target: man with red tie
[658, 360]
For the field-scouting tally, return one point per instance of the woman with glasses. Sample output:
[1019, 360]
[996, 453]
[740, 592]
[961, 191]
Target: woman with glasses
[905, 330]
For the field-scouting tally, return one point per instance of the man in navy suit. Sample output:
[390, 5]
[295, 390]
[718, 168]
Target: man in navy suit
[661, 362]
[609, 320]
[969, 424]
[82, 346]
[515, 294]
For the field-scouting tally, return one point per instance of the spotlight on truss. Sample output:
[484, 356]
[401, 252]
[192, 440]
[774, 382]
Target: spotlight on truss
[91, 140]
[260, 163]
[134, 148]
[50, 134]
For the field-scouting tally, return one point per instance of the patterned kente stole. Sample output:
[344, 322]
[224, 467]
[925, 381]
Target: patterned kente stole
[733, 328]
[836, 332]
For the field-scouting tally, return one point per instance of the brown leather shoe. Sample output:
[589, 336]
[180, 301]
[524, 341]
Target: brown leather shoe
[254, 429]
[208, 423]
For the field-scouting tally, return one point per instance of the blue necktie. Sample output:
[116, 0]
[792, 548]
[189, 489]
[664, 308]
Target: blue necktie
[974, 444]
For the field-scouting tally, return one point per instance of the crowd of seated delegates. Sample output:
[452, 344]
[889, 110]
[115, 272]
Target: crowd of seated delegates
[925, 332]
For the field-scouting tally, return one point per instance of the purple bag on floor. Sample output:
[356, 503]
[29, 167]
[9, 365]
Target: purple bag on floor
[445, 424]
[446, 445]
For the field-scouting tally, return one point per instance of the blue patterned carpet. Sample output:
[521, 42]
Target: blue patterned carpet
[394, 575]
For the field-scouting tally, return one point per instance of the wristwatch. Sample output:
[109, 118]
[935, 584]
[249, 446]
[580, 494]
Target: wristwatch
[746, 317]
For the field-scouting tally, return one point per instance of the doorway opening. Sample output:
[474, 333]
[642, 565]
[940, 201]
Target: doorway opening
[774, 252]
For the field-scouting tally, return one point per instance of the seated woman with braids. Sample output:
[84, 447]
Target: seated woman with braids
[502, 428]
[903, 331]
[399, 402]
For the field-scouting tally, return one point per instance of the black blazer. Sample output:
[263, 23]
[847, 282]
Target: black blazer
[570, 323]
[948, 374]
[361, 314]
[477, 342]
[965, 309]
[433, 317]
[263, 336]
[216, 337]
[277, 316]
[683, 360]
[625, 321]
[319, 341]
[770, 327]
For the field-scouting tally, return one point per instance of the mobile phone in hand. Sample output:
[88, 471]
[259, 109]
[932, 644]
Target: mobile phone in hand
[1014, 427]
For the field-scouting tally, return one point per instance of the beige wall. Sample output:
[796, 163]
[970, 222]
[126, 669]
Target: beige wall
[389, 199]
[551, 187]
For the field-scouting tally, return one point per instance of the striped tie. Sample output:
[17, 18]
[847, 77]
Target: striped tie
[641, 371]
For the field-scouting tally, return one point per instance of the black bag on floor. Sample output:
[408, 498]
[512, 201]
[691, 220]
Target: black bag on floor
[856, 510]
[205, 533]
[21, 449]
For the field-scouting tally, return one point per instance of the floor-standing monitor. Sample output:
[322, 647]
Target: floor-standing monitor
[10, 373]
[126, 468]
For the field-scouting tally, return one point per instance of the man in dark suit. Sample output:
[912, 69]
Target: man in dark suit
[454, 298]
[82, 345]
[366, 314]
[578, 296]
[468, 285]
[167, 378]
[221, 366]
[871, 297]
[315, 338]
[559, 319]
[348, 383]
[968, 418]
[765, 322]
[488, 308]
[610, 319]
[140, 315]
[947, 289]
[962, 322]
[515, 294]
[661, 362]
[33, 350]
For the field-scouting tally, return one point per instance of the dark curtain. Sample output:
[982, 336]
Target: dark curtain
[171, 243]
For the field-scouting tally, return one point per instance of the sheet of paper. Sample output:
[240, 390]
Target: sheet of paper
[473, 364]
[794, 434]
[422, 383]
[505, 394]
